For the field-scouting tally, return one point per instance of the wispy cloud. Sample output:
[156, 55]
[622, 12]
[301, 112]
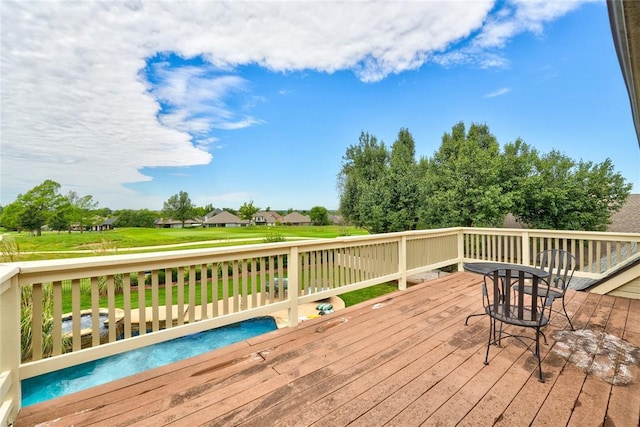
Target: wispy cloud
[77, 90]
[499, 92]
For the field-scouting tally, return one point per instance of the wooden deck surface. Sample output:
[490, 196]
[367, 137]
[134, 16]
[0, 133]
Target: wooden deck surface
[405, 359]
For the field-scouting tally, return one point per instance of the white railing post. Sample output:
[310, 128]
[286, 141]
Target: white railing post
[10, 391]
[293, 285]
[461, 249]
[526, 257]
[402, 263]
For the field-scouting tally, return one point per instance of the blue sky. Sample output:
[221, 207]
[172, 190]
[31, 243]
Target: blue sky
[134, 101]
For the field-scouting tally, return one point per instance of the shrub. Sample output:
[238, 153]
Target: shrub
[274, 237]
[26, 323]
[9, 248]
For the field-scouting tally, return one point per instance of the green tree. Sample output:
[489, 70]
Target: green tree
[10, 218]
[461, 185]
[80, 208]
[403, 184]
[563, 194]
[362, 184]
[319, 215]
[38, 204]
[59, 221]
[144, 218]
[179, 207]
[247, 210]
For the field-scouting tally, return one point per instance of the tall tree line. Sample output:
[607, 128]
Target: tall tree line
[44, 205]
[471, 181]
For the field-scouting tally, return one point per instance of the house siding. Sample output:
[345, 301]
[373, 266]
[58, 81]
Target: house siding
[628, 290]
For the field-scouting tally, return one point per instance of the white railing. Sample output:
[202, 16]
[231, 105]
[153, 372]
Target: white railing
[154, 297]
[597, 254]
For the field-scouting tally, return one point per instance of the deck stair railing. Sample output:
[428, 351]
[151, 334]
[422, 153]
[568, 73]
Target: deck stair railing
[148, 298]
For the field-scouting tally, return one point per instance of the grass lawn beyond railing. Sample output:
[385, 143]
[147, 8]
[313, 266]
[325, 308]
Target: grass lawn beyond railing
[349, 298]
[152, 239]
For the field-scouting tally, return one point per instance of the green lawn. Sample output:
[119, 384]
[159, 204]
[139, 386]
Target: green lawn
[100, 242]
[53, 245]
[349, 298]
[85, 298]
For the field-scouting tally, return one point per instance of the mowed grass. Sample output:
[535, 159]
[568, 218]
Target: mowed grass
[349, 298]
[151, 239]
[52, 245]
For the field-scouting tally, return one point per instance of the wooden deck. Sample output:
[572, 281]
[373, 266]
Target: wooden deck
[402, 360]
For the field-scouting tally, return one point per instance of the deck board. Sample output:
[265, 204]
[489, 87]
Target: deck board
[403, 359]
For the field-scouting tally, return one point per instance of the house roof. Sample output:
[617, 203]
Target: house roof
[109, 221]
[225, 217]
[267, 215]
[624, 18]
[296, 218]
[627, 219]
[212, 213]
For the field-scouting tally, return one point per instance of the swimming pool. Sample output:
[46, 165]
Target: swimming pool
[90, 374]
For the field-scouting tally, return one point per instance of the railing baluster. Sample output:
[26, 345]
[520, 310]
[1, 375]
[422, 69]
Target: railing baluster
[155, 312]
[75, 315]
[215, 289]
[236, 299]
[192, 293]
[95, 311]
[204, 295]
[263, 281]
[36, 322]
[142, 303]
[111, 304]
[225, 288]
[180, 295]
[168, 298]
[245, 284]
[57, 318]
[126, 297]
[254, 282]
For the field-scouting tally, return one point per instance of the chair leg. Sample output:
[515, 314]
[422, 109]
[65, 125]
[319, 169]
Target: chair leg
[466, 321]
[567, 315]
[492, 326]
[537, 354]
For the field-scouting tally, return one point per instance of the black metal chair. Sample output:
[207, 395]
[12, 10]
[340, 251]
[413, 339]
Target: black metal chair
[506, 302]
[560, 265]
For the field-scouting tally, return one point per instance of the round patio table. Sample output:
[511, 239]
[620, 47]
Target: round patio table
[502, 267]
[486, 267]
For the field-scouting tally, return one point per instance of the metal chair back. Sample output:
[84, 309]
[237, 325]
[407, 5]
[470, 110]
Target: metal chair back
[560, 265]
[516, 297]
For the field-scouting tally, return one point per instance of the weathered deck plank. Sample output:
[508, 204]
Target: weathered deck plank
[403, 359]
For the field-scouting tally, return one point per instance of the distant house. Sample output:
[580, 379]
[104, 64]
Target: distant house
[107, 224]
[211, 214]
[295, 218]
[225, 219]
[174, 223]
[266, 218]
[336, 219]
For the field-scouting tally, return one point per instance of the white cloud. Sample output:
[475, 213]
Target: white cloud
[77, 108]
[499, 92]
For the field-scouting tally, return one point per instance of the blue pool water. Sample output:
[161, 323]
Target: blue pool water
[90, 374]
